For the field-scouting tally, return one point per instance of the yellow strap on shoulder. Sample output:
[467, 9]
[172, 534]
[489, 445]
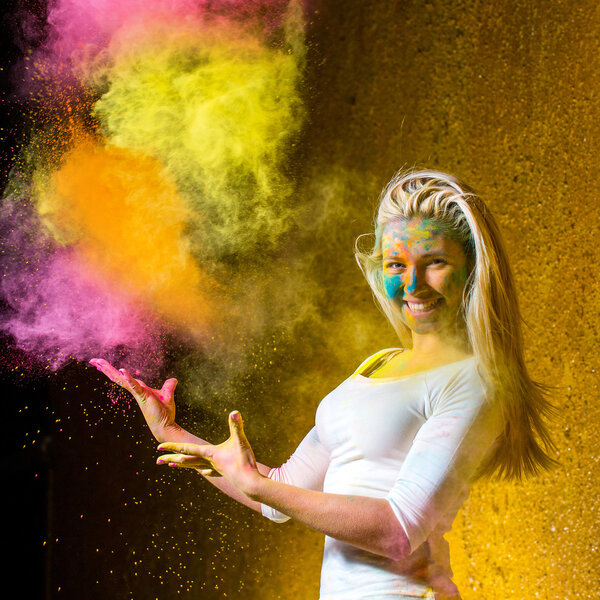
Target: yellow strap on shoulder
[371, 359]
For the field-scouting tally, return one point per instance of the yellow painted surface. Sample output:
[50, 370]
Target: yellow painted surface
[507, 96]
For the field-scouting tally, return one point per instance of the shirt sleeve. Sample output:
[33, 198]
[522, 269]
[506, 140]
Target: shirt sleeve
[460, 430]
[306, 468]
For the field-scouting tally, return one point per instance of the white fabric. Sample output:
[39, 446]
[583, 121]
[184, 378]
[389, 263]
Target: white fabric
[415, 441]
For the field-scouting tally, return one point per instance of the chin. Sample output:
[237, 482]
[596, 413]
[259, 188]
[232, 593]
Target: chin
[433, 326]
[425, 329]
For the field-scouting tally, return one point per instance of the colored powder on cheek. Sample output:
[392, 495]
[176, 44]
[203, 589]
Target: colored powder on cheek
[393, 286]
[458, 277]
[454, 285]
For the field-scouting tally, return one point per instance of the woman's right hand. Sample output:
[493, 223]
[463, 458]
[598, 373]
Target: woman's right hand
[157, 406]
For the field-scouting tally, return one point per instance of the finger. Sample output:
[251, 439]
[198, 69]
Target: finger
[200, 450]
[209, 473]
[117, 376]
[183, 460]
[105, 367]
[135, 385]
[168, 388]
[236, 427]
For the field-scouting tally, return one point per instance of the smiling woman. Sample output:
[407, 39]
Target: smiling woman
[396, 445]
[436, 241]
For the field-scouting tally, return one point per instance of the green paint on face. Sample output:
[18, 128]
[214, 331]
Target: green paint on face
[393, 286]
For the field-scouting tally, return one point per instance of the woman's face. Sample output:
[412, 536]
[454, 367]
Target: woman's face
[425, 271]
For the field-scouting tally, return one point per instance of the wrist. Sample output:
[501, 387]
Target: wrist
[256, 486]
[167, 433]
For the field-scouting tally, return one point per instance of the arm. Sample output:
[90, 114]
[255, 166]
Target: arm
[368, 523]
[442, 460]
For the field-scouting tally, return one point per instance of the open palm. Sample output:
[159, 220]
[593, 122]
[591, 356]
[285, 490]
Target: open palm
[157, 406]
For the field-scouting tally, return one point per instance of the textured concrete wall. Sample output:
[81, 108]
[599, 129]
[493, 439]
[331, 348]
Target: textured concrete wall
[507, 96]
[503, 94]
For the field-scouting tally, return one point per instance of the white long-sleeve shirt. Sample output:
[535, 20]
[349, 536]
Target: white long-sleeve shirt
[414, 440]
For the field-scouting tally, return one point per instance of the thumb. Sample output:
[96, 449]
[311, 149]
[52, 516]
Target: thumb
[169, 387]
[236, 427]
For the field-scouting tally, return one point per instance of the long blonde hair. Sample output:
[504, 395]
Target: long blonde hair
[490, 310]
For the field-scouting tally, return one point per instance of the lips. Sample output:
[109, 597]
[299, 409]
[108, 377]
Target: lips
[423, 308]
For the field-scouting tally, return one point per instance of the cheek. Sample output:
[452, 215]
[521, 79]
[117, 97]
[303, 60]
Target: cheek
[392, 286]
[454, 284]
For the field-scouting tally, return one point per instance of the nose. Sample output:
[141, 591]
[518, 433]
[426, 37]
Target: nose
[412, 281]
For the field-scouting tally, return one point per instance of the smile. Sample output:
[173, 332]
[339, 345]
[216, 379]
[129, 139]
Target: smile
[423, 308]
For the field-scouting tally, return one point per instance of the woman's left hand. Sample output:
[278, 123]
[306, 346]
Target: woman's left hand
[233, 459]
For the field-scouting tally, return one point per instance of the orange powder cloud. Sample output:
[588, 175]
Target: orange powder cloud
[127, 220]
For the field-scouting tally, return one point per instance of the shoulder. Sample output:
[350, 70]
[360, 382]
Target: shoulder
[458, 383]
[374, 357]
[460, 395]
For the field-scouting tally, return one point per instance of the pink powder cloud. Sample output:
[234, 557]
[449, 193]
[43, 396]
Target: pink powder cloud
[59, 310]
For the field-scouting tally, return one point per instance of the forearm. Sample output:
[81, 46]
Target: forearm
[367, 523]
[180, 435]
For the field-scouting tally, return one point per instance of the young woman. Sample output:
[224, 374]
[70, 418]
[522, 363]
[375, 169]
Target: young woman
[396, 446]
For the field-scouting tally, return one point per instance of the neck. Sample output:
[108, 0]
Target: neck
[436, 345]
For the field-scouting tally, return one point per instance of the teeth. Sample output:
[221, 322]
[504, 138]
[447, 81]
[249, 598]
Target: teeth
[422, 306]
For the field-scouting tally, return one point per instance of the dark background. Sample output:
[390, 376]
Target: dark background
[505, 95]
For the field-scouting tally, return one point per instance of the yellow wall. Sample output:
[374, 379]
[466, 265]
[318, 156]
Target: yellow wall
[505, 95]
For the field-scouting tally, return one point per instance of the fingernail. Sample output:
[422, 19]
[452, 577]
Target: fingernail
[172, 464]
[160, 461]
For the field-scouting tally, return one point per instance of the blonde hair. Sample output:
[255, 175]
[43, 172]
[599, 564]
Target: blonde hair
[489, 309]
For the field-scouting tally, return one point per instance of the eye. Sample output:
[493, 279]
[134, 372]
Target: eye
[438, 260]
[393, 266]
